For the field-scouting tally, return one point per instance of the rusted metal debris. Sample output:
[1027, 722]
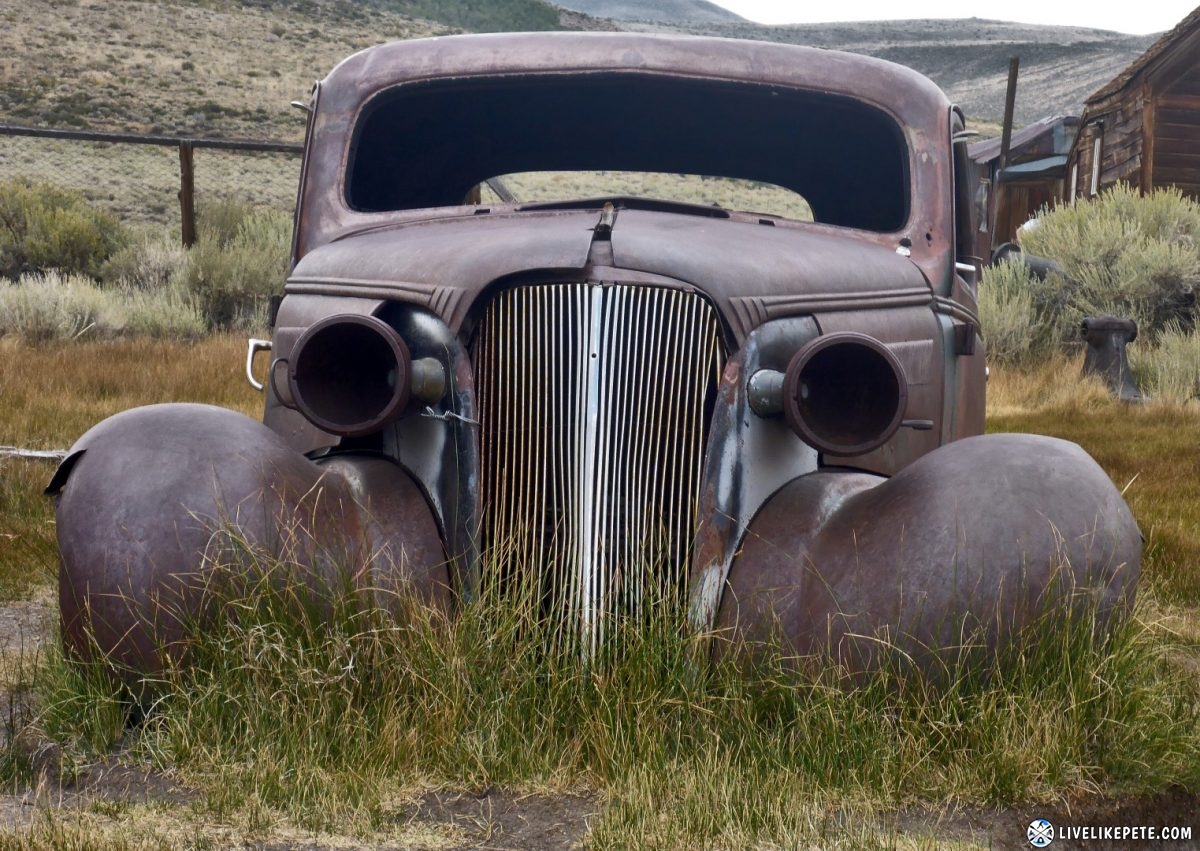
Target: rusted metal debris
[1041, 267]
[620, 399]
[1107, 357]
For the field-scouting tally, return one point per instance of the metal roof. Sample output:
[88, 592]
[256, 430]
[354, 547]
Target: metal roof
[1061, 127]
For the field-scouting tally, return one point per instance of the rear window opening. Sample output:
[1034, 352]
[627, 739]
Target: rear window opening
[833, 159]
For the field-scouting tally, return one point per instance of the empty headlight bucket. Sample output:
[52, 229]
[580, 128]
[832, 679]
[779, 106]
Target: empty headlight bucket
[844, 394]
[350, 375]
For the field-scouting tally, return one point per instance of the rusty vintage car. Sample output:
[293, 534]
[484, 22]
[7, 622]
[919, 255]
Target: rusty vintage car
[769, 411]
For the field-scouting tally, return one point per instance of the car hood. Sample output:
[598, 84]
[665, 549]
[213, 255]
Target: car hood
[752, 269]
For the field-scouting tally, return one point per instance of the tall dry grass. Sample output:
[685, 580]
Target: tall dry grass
[314, 710]
[53, 394]
[1148, 450]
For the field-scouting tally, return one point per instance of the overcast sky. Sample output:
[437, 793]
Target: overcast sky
[1138, 18]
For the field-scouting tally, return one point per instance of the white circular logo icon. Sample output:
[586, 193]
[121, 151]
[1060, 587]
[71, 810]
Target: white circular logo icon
[1040, 833]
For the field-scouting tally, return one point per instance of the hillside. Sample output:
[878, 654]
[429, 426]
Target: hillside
[219, 68]
[489, 16]
[1060, 66]
[683, 12]
[229, 68]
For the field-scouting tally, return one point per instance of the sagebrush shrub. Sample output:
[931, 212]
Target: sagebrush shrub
[1170, 369]
[1124, 254]
[1017, 315]
[239, 260]
[219, 221]
[150, 262]
[51, 307]
[47, 227]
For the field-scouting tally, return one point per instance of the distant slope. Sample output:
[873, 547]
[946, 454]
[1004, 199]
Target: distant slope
[211, 67]
[489, 16]
[229, 67]
[1060, 66]
[217, 67]
[684, 12]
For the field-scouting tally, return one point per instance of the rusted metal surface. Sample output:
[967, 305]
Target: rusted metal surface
[151, 501]
[438, 443]
[845, 394]
[920, 111]
[748, 458]
[350, 375]
[596, 391]
[974, 541]
[1107, 357]
[753, 272]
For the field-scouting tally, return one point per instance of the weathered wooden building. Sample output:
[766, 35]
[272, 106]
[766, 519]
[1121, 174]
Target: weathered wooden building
[1007, 197]
[1143, 128]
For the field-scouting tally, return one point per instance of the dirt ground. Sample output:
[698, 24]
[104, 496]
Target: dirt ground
[501, 820]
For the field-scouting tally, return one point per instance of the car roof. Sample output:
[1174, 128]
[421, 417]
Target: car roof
[910, 96]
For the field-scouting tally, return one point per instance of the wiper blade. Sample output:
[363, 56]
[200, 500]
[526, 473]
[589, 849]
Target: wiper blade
[631, 202]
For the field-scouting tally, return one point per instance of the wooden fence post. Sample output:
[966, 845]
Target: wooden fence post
[187, 195]
[1002, 223]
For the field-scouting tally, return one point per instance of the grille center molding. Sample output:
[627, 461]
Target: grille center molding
[594, 405]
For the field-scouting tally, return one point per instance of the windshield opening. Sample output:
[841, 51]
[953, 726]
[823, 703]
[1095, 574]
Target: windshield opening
[835, 159]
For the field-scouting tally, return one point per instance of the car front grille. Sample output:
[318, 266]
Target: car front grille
[594, 403]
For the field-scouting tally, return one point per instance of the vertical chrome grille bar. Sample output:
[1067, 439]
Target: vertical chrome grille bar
[590, 474]
[671, 474]
[594, 403]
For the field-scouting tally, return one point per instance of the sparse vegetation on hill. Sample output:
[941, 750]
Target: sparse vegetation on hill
[476, 16]
[687, 12]
[230, 67]
[218, 68]
[1060, 66]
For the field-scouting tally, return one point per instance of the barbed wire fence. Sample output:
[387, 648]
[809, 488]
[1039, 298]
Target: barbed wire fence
[153, 180]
